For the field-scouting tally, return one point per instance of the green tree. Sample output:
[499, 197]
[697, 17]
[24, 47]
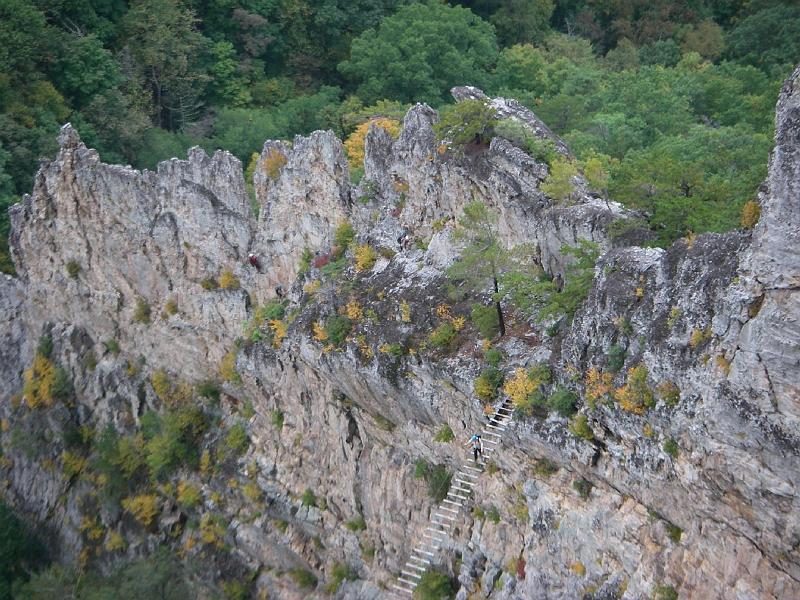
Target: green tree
[420, 52]
[227, 85]
[469, 121]
[520, 21]
[483, 260]
[661, 52]
[20, 552]
[768, 39]
[84, 69]
[162, 39]
[160, 575]
[624, 56]
[521, 67]
[559, 184]
[434, 585]
[545, 297]
[706, 38]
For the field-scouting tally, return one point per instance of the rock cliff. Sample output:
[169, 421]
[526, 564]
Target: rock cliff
[306, 392]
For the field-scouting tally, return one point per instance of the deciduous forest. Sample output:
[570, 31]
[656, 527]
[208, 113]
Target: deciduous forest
[671, 100]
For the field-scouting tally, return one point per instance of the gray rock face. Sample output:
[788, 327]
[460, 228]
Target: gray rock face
[304, 192]
[714, 318]
[137, 239]
[765, 326]
[15, 349]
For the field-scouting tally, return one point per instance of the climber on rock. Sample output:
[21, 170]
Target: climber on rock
[253, 260]
[477, 445]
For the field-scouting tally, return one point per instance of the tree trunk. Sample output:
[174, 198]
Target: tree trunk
[500, 320]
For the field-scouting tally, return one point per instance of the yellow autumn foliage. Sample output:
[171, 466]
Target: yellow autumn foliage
[312, 287]
[319, 331]
[354, 145]
[273, 163]
[354, 310]
[405, 312]
[227, 368]
[520, 386]
[228, 281]
[278, 327]
[366, 257]
[598, 384]
[751, 213]
[635, 396]
[143, 507]
[39, 380]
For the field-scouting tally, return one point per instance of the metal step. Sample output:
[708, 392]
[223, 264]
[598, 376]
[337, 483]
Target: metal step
[452, 510]
[424, 552]
[417, 558]
[402, 589]
[452, 502]
[493, 427]
[411, 565]
[413, 584]
[410, 574]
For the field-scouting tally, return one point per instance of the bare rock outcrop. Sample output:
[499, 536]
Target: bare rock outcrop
[106, 248]
[304, 193]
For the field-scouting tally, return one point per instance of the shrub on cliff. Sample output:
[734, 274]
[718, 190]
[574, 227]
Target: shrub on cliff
[636, 395]
[542, 150]
[467, 122]
[487, 383]
[273, 163]
[336, 328]
[434, 585]
[751, 213]
[44, 383]
[354, 145]
[141, 313]
[485, 320]
[171, 439]
[343, 236]
[366, 257]
[143, 507]
[228, 281]
[560, 185]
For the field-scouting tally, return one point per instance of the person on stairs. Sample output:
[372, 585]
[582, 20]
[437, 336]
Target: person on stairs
[477, 445]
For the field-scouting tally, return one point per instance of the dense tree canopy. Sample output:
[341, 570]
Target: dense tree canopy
[421, 52]
[143, 80]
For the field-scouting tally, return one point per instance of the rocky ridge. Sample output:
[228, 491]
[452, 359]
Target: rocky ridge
[716, 317]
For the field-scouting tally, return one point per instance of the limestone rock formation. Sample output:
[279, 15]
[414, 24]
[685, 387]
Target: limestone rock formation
[137, 290]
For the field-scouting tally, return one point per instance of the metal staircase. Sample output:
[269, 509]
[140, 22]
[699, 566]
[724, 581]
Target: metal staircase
[444, 517]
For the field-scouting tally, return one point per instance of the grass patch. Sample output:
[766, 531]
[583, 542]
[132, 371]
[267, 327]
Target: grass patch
[308, 498]
[445, 434]
[583, 487]
[303, 577]
[357, 524]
